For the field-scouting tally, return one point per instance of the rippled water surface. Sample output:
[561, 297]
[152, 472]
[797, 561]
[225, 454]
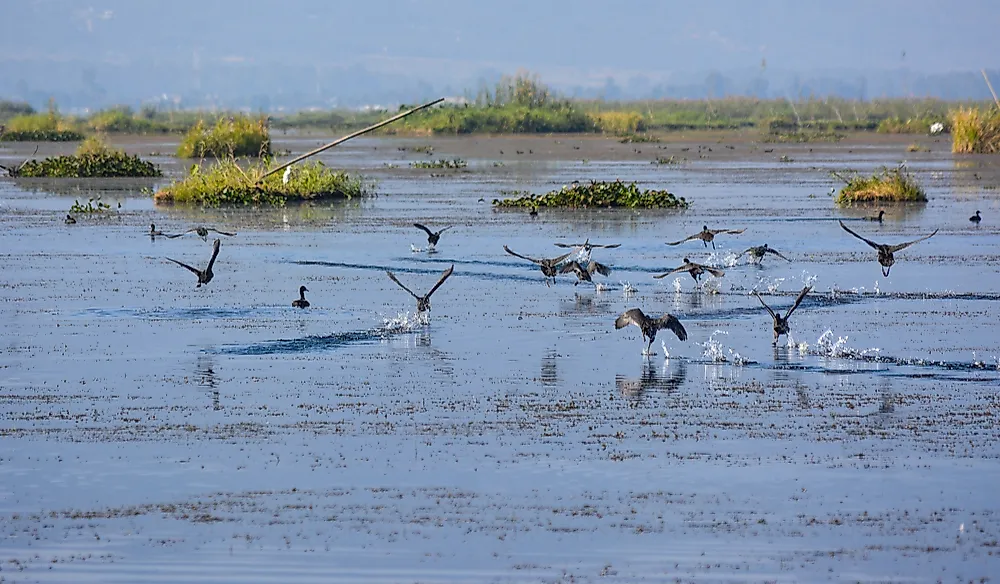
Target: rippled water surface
[155, 431]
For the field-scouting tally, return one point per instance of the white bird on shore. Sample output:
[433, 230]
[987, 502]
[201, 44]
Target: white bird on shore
[286, 176]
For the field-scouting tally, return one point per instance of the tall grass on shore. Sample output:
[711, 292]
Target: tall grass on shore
[234, 136]
[887, 185]
[228, 183]
[975, 131]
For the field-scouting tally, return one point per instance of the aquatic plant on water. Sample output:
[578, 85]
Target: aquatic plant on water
[93, 159]
[599, 194]
[443, 163]
[233, 136]
[975, 131]
[227, 183]
[888, 185]
[93, 206]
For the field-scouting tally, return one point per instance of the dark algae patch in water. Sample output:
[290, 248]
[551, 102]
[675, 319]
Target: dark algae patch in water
[599, 194]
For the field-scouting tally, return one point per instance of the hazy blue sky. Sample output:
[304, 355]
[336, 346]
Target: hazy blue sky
[571, 43]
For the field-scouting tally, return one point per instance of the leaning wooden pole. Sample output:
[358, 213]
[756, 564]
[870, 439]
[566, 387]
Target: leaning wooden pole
[990, 85]
[348, 137]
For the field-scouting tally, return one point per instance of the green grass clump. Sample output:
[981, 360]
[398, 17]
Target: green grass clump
[108, 164]
[121, 120]
[93, 206]
[235, 136]
[619, 123]
[888, 185]
[908, 126]
[975, 131]
[599, 194]
[638, 138]
[443, 163]
[227, 183]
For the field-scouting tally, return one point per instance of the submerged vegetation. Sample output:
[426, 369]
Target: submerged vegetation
[93, 159]
[234, 136]
[598, 194]
[227, 183]
[888, 185]
[442, 163]
[975, 131]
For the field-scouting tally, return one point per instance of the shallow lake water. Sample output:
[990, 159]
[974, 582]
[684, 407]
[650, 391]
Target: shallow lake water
[155, 431]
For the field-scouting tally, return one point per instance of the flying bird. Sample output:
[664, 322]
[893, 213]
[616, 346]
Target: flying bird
[885, 251]
[423, 302]
[696, 270]
[432, 236]
[587, 246]
[758, 252]
[649, 325]
[707, 235]
[550, 267]
[202, 232]
[301, 302]
[204, 276]
[781, 322]
[585, 273]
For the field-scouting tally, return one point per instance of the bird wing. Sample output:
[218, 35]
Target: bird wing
[400, 284]
[686, 268]
[444, 276]
[798, 301]
[517, 255]
[570, 245]
[183, 233]
[764, 304]
[570, 267]
[746, 251]
[868, 241]
[714, 271]
[599, 268]
[183, 265]
[221, 232]
[899, 246]
[769, 250]
[558, 260]
[607, 245]
[633, 316]
[419, 226]
[670, 321]
[215, 254]
[695, 236]
[445, 229]
[732, 231]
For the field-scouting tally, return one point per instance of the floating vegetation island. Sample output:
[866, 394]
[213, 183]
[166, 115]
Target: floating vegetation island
[599, 194]
[227, 183]
[234, 136]
[93, 159]
[443, 163]
[888, 185]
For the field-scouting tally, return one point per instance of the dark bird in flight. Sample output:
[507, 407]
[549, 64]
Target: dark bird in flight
[587, 246]
[585, 273]
[204, 276]
[202, 232]
[696, 270]
[758, 252]
[433, 237]
[885, 251]
[707, 235]
[301, 302]
[781, 322]
[649, 325]
[423, 302]
[550, 267]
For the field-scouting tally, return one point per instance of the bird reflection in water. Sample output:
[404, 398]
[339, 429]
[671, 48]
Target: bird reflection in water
[204, 372]
[668, 379]
[550, 374]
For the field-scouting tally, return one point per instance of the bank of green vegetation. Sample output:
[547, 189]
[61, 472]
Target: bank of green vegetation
[92, 159]
[598, 194]
[887, 185]
[975, 130]
[228, 182]
[233, 136]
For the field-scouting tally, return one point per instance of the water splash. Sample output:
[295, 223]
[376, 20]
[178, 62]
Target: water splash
[404, 322]
[716, 352]
[711, 285]
[827, 347]
[599, 288]
[809, 279]
[769, 286]
[677, 285]
[723, 259]
[628, 290]
[416, 249]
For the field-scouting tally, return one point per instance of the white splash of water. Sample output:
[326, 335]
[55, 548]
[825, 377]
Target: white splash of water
[769, 286]
[666, 353]
[711, 285]
[677, 285]
[876, 290]
[415, 249]
[716, 352]
[723, 259]
[628, 290]
[599, 287]
[809, 279]
[405, 322]
[827, 347]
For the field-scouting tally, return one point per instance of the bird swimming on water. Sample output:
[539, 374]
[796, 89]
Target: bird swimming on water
[881, 214]
[976, 218]
[432, 236]
[696, 270]
[202, 232]
[649, 325]
[707, 235]
[885, 251]
[424, 302]
[758, 252]
[550, 267]
[781, 322]
[153, 233]
[585, 273]
[70, 220]
[204, 276]
[301, 302]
